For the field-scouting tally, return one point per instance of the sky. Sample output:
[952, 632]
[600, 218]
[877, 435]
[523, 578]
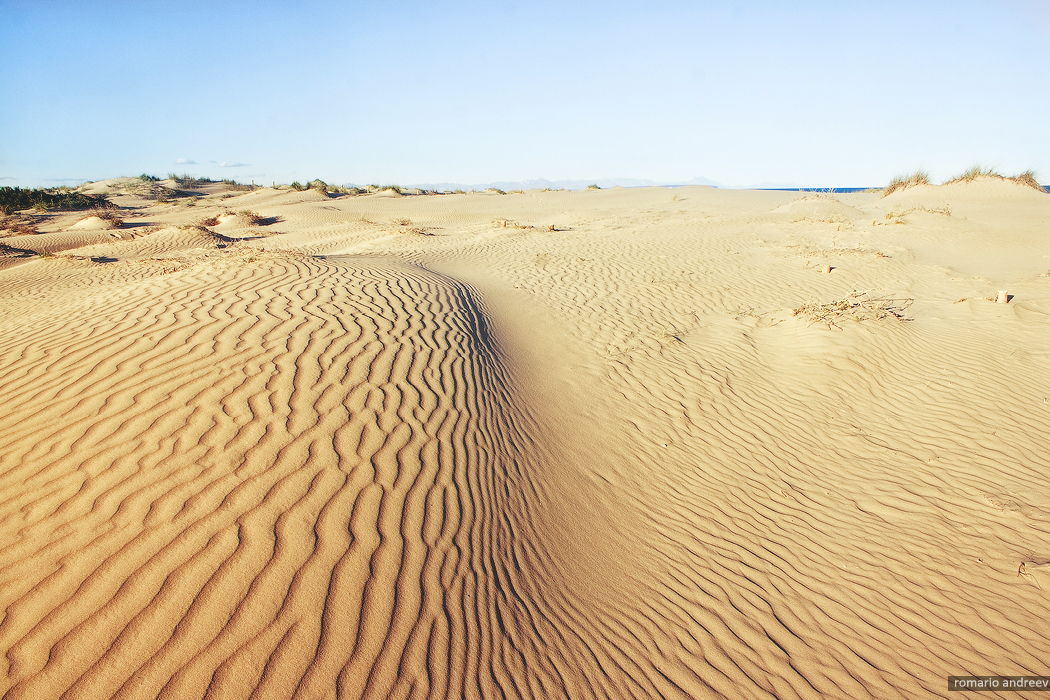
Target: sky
[817, 94]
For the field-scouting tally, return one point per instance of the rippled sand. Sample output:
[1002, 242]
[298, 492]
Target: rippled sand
[547, 444]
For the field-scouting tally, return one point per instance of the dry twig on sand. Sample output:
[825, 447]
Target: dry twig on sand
[859, 306]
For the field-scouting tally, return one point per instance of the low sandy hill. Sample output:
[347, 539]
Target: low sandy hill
[980, 191]
[625, 443]
[988, 227]
[93, 223]
[111, 185]
[820, 208]
[49, 243]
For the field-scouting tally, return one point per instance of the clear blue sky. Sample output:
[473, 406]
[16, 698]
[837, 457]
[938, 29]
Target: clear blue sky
[811, 93]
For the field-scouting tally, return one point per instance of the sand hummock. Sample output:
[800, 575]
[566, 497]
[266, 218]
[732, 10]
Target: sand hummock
[93, 223]
[426, 446]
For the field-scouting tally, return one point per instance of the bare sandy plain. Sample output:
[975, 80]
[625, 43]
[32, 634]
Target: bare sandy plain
[425, 446]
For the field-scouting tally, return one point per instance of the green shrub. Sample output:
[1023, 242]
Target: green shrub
[236, 186]
[189, 180]
[16, 199]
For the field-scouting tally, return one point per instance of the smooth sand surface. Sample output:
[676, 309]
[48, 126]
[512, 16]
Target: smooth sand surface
[543, 444]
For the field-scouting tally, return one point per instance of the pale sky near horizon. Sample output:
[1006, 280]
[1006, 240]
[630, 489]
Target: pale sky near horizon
[802, 93]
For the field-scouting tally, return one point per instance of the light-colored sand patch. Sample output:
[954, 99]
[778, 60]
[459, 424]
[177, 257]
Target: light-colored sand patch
[92, 223]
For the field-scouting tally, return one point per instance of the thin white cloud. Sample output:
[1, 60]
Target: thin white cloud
[185, 161]
[227, 164]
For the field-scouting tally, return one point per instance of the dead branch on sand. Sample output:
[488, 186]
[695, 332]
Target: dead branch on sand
[859, 306]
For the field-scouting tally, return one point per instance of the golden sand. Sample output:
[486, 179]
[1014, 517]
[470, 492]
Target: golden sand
[617, 443]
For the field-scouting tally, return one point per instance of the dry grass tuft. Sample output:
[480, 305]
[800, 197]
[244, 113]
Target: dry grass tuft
[405, 226]
[919, 177]
[1027, 178]
[973, 173]
[859, 306]
[507, 223]
[250, 217]
[20, 224]
[945, 210]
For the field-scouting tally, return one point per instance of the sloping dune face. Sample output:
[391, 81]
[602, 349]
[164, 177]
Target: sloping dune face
[300, 480]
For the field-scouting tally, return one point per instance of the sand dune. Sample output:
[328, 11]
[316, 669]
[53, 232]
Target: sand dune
[426, 446]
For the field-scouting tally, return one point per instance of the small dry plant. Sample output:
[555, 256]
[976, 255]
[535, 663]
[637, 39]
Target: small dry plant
[20, 224]
[945, 210]
[919, 177]
[1027, 178]
[896, 217]
[406, 227]
[507, 223]
[859, 306]
[250, 218]
[107, 215]
[974, 173]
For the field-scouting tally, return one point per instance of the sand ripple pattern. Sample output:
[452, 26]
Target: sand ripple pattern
[831, 513]
[271, 475]
[300, 480]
